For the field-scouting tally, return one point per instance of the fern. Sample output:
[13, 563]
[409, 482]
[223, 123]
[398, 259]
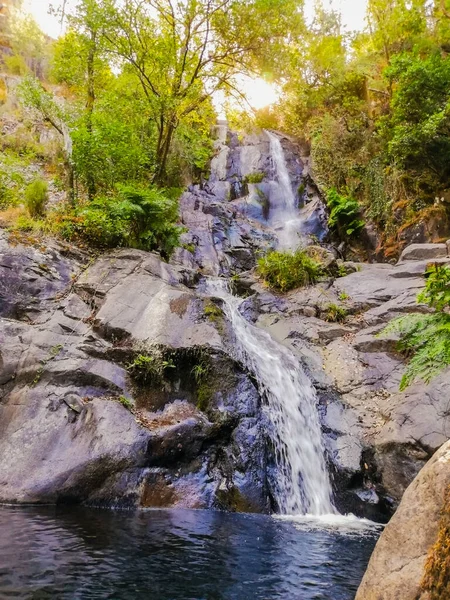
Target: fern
[344, 213]
[437, 291]
[426, 338]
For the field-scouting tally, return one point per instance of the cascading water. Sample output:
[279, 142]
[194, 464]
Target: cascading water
[284, 213]
[303, 485]
[284, 181]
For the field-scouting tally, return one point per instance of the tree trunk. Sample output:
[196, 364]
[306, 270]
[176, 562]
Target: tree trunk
[90, 179]
[162, 153]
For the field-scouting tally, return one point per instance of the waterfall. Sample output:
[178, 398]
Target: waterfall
[285, 218]
[303, 485]
[284, 181]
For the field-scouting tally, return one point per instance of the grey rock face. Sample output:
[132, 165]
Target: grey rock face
[66, 433]
[424, 252]
[229, 217]
[397, 564]
[377, 438]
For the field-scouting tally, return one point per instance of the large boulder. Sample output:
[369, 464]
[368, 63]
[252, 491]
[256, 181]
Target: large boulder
[396, 569]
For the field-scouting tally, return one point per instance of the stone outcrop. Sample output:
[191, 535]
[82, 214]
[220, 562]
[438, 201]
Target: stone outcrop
[377, 437]
[229, 218]
[396, 567]
[76, 427]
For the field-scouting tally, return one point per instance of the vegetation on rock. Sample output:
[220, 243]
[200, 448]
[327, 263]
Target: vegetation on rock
[286, 271]
[436, 579]
[425, 338]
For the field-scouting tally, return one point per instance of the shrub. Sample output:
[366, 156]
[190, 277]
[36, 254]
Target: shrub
[36, 196]
[344, 214]
[147, 369]
[335, 313]
[137, 217]
[426, 338]
[286, 271]
[256, 177]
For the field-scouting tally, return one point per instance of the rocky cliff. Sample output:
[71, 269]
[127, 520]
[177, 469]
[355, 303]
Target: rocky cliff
[119, 382]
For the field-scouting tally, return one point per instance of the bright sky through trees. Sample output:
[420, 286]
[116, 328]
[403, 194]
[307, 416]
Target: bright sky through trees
[353, 12]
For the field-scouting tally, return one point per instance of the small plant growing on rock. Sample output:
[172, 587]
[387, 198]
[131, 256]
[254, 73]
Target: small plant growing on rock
[256, 177]
[213, 312]
[342, 271]
[200, 371]
[344, 214]
[284, 271]
[36, 196]
[335, 314]
[189, 247]
[126, 402]
[343, 296]
[148, 369]
[425, 339]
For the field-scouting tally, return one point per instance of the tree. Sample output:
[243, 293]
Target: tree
[79, 61]
[184, 52]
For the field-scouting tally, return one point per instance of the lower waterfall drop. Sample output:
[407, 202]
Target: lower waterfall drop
[303, 485]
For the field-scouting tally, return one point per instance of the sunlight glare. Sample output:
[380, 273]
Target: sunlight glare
[259, 93]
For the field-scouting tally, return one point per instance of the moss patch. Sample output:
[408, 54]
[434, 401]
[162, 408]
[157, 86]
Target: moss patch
[436, 579]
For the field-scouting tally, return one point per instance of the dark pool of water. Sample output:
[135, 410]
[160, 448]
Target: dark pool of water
[173, 555]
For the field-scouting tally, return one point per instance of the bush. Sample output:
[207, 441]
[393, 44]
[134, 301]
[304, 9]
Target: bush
[286, 271]
[344, 214]
[426, 338]
[335, 313]
[146, 369]
[36, 196]
[137, 217]
[256, 177]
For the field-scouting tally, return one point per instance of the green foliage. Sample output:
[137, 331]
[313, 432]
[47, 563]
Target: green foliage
[426, 338]
[285, 271]
[149, 369]
[335, 314]
[126, 402]
[136, 216]
[343, 295]
[344, 214]
[36, 196]
[255, 177]
[437, 289]
[213, 312]
[200, 371]
[417, 128]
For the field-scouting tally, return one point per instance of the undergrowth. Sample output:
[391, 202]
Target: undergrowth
[284, 271]
[425, 338]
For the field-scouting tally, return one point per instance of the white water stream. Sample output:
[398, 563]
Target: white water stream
[285, 218]
[303, 486]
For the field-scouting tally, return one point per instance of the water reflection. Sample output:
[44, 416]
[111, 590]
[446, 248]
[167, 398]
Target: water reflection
[173, 555]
